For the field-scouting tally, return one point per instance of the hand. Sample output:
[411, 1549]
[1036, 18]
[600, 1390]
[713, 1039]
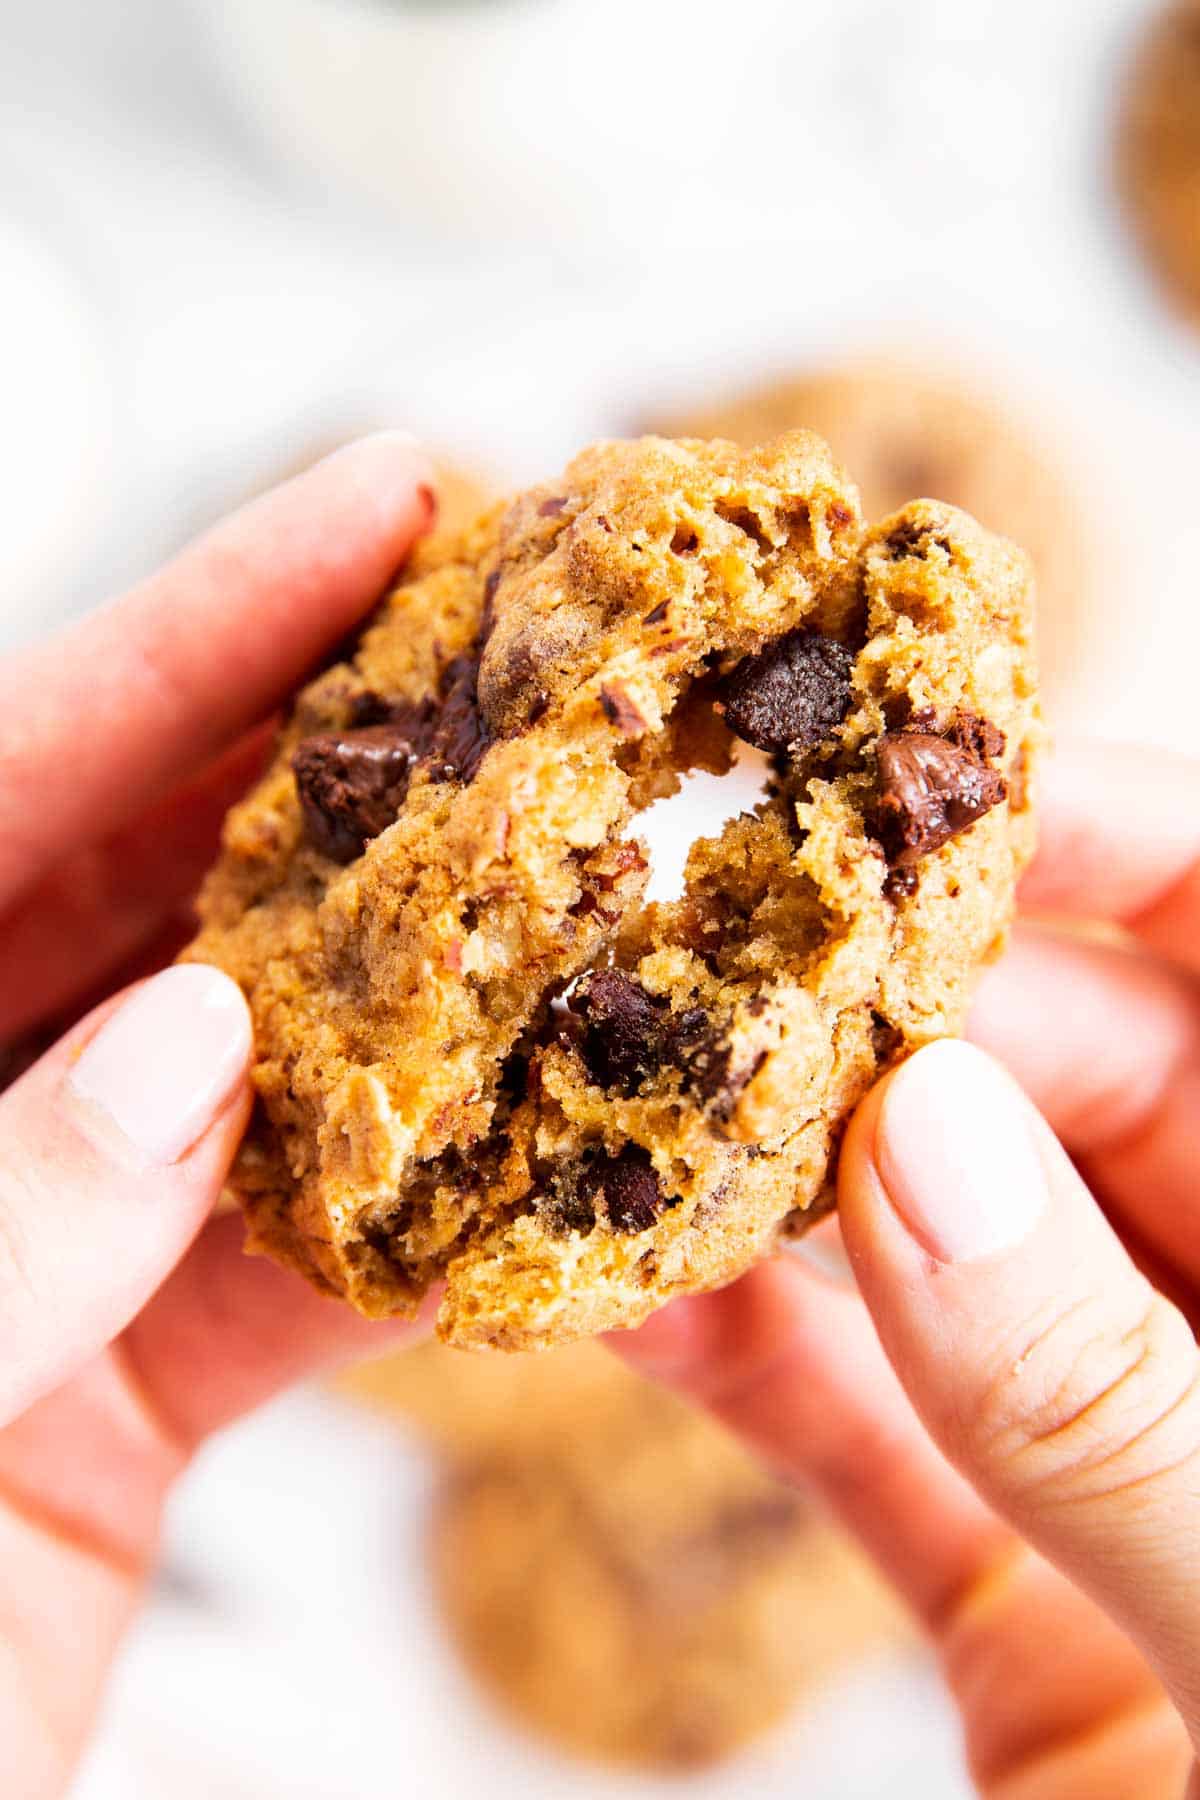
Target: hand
[1036, 1301]
[122, 741]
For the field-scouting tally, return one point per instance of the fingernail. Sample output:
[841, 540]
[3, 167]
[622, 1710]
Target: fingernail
[956, 1154]
[164, 1065]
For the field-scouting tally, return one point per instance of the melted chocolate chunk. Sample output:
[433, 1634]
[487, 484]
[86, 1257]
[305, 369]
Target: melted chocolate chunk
[628, 1186]
[791, 695]
[623, 1029]
[352, 785]
[414, 719]
[930, 789]
[460, 736]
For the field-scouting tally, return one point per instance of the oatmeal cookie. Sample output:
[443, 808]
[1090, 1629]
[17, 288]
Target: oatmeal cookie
[905, 430]
[616, 1570]
[1158, 150]
[663, 1641]
[481, 1056]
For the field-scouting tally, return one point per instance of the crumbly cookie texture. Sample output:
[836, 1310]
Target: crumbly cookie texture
[481, 1058]
[909, 427]
[1158, 150]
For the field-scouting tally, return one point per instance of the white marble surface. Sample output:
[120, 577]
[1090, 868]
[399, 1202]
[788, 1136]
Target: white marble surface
[603, 207]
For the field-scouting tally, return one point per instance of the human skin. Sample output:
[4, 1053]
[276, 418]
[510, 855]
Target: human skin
[130, 1327]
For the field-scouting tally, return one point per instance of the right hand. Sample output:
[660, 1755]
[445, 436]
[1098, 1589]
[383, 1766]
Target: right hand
[1027, 1469]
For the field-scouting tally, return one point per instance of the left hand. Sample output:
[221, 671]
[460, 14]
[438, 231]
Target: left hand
[130, 1328]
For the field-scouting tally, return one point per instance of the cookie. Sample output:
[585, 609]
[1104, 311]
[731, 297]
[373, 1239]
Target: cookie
[616, 1570]
[1158, 150]
[640, 1591]
[907, 430]
[480, 1057]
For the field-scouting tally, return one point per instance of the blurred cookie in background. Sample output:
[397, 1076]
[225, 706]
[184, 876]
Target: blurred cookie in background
[615, 1570]
[906, 430]
[470, 1407]
[1158, 150]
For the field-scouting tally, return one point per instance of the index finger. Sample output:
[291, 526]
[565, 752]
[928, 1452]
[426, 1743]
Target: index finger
[101, 719]
[1120, 841]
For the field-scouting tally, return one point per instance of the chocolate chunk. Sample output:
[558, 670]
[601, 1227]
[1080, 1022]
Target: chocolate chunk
[791, 695]
[900, 883]
[706, 1064]
[414, 719]
[979, 736]
[629, 1187]
[930, 789]
[623, 1029]
[460, 737]
[685, 1031]
[352, 785]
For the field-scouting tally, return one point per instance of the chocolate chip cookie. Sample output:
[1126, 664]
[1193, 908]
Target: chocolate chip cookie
[905, 429]
[482, 1058]
[665, 1620]
[1158, 150]
[615, 1569]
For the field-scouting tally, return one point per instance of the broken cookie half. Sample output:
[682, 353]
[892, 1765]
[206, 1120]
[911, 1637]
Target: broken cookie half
[483, 1057]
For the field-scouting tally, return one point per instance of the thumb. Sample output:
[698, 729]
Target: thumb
[1044, 1365]
[113, 1149]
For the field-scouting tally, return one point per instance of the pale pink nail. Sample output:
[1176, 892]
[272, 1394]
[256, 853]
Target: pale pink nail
[955, 1151]
[165, 1064]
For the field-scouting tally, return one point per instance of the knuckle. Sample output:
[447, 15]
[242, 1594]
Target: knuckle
[1095, 1403]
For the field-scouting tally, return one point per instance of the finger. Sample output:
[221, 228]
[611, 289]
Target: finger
[99, 907]
[1106, 1043]
[116, 1145]
[793, 1365]
[1120, 840]
[794, 1368]
[227, 1331]
[100, 721]
[1043, 1363]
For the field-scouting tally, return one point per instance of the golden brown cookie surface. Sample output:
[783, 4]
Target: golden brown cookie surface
[907, 429]
[1158, 149]
[480, 1056]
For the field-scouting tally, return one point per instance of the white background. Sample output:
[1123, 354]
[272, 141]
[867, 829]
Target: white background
[230, 230]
